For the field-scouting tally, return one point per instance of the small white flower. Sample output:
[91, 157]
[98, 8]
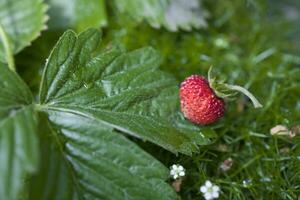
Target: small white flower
[177, 171]
[210, 191]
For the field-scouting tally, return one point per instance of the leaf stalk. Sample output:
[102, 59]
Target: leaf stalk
[255, 102]
[224, 90]
[7, 48]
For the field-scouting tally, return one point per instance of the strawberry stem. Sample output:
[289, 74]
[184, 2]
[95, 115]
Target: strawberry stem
[223, 90]
[255, 102]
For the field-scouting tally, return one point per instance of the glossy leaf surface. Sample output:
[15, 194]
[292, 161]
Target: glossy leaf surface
[88, 160]
[124, 90]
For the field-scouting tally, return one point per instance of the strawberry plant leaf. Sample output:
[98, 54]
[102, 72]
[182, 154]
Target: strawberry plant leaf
[54, 180]
[77, 14]
[90, 161]
[14, 93]
[173, 15]
[31, 60]
[185, 14]
[54, 177]
[18, 151]
[150, 10]
[22, 21]
[118, 88]
[18, 127]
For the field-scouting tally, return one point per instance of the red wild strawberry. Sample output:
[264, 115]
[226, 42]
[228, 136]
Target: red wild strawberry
[199, 103]
[202, 100]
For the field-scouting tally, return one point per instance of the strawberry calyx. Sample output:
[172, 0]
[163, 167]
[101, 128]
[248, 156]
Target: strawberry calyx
[228, 92]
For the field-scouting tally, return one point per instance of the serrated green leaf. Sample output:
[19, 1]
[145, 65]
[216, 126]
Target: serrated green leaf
[14, 93]
[18, 151]
[18, 127]
[54, 180]
[185, 14]
[91, 161]
[30, 62]
[22, 21]
[172, 14]
[126, 91]
[151, 10]
[77, 14]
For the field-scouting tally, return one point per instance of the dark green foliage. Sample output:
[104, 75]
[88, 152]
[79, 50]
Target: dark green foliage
[18, 141]
[22, 28]
[88, 161]
[77, 14]
[90, 95]
[121, 89]
[246, 43]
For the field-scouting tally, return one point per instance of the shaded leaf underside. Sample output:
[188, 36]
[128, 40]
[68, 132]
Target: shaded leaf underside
[77, 14]
[172, 14]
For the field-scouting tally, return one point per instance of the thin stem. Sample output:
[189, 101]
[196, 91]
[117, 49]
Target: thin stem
[255, 102]
[209, 74]
[7, 48]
